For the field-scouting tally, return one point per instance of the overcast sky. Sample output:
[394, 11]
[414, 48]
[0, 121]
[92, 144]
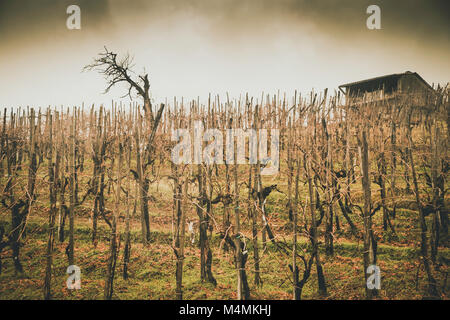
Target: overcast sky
[194, 47]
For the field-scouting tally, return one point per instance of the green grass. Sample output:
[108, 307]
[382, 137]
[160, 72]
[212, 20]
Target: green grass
[152, 269]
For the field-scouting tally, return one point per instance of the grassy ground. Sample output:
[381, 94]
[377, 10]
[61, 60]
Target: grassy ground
[152, 268]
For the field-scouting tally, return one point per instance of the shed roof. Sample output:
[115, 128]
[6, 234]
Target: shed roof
[378, 81]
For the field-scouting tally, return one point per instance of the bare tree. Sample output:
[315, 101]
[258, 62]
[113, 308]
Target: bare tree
[53, 187]
[117, 70]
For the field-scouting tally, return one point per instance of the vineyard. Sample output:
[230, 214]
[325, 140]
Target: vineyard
[357, 186]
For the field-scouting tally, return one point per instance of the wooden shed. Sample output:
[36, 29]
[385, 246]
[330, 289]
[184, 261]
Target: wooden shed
[388, 88]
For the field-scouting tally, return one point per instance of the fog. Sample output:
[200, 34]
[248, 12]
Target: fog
[193, 48]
